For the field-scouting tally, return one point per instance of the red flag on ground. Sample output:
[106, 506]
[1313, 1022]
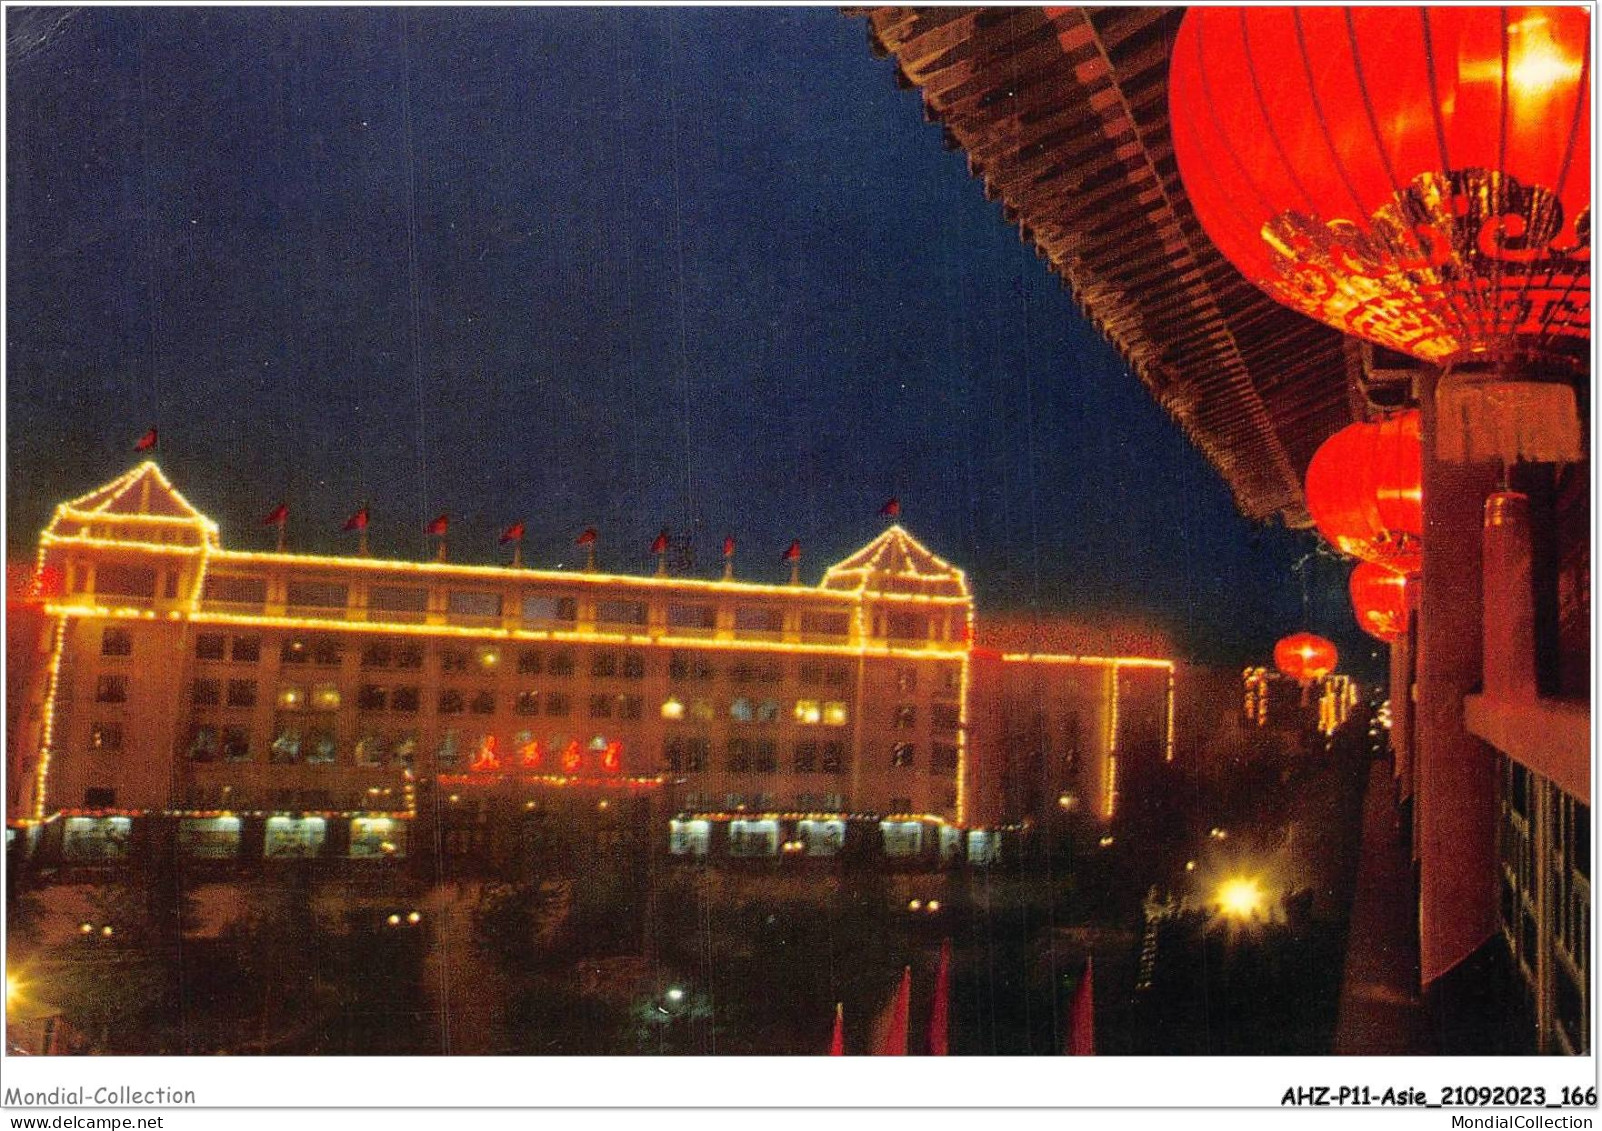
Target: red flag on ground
[357, 521]
[892, 1029]
[940, 1011]
[728, 546]
[793, 554]
[277, 516]
[513, 533]
[1082, 1017]
[146, 442]
[837, 1042]
[661, 544]
[891, 508]
[587, 538]
[440, 526]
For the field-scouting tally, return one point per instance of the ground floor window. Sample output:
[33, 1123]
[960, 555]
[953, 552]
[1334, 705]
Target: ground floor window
[822, 838]
[902, 838]
[209, 838]
[95, 838]
[376, 838]
[983, 846]
[289, 837]
[689, 838]
[753, 838]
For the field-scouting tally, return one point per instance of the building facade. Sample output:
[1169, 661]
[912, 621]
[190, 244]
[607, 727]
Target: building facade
[276, 704]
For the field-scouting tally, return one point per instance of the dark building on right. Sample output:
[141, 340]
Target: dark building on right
[1280, 260]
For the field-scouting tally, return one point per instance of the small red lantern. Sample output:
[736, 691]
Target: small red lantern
[1365, 491]
[1379, 600]
[1419, 177]
[1305, 657]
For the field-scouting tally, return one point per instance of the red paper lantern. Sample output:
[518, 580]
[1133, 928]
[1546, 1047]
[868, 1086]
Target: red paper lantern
[1419, 177]
[1305, 657]
[1365, 491]
[1379, 601]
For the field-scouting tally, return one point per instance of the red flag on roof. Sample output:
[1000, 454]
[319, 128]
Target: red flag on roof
[587, 538]
[146, 442]
[357, 521]
[440, 526]
[277, 516]
[513, 533]
[940, 1011]
[891, 1035]
[660, 545]
[891, 508]
[793, 554]
[837, 1042]
[1082, 1017]
[728, 546]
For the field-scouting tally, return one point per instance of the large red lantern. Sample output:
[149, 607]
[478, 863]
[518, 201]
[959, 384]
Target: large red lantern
[1379, 601]
[1419, 177]
[1365, 491]
[1305, 657]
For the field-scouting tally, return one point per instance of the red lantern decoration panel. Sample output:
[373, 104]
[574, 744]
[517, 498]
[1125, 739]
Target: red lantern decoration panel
[1365, 491]
[1379, 601]
[1418, 177]
[1305, 657]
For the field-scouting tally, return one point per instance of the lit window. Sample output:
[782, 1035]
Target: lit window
[372, 750]
[203, 744]
[808, 711]
[116, 642]
[292, 698]
[835, 714]
[672, 709]
[903, 754]
[404, 751]
[325, 697]
[286, 746]
[489, 659]
[768, 711]
[742, 710]
[701, 711]
[294, 651]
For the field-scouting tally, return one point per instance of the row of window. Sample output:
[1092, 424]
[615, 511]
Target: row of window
[687, 754]
[477, 605]
[329, 651]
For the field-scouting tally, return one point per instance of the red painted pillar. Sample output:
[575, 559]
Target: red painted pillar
[1455, 806]
[1509, 598]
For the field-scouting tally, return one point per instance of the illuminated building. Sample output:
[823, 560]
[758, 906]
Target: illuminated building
[293, 705]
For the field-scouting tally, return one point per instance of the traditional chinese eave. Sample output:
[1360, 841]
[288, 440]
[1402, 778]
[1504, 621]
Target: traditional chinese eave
[1063, 114]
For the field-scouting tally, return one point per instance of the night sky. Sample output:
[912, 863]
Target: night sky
[701, 268]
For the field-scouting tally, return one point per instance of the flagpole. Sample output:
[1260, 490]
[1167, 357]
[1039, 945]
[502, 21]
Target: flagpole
[517, 554]
[283, 530]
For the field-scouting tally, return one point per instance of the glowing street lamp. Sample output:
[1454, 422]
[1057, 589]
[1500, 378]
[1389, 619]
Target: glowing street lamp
[1240, 897]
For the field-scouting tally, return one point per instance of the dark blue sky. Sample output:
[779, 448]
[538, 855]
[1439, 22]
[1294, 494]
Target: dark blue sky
[625, 267]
